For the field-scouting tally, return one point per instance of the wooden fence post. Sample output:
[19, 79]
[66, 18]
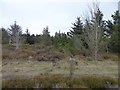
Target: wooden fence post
[72, 69]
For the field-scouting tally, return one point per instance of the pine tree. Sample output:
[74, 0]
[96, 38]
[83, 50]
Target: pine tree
[78, 36]
[29, 38]
[77, 28]
[60, 39]
[113, 33]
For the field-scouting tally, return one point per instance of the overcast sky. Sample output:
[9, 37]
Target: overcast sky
[57, 14]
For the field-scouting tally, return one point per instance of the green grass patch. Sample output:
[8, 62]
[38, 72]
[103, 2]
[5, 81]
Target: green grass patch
[60, 81]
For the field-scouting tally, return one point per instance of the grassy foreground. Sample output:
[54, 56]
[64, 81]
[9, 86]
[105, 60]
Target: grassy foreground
[58, 81]
[34, 65]
[33, 68]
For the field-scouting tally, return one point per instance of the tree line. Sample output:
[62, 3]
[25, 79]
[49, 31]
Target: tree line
[91, 36]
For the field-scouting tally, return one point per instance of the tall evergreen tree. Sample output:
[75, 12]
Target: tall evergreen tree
[78, 36]
[77, 28]
[113, 32]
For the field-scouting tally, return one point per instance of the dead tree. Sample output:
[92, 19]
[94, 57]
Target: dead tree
[94, 32]
[15, 33]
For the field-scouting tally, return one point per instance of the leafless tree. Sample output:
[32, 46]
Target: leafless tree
[93, 30]
[15, 33]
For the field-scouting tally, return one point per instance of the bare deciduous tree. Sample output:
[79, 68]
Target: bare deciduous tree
[93, 30]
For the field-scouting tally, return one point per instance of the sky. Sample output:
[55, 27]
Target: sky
[56, 14]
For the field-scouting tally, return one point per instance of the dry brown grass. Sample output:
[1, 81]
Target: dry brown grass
[32, 52]
[42, 53]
